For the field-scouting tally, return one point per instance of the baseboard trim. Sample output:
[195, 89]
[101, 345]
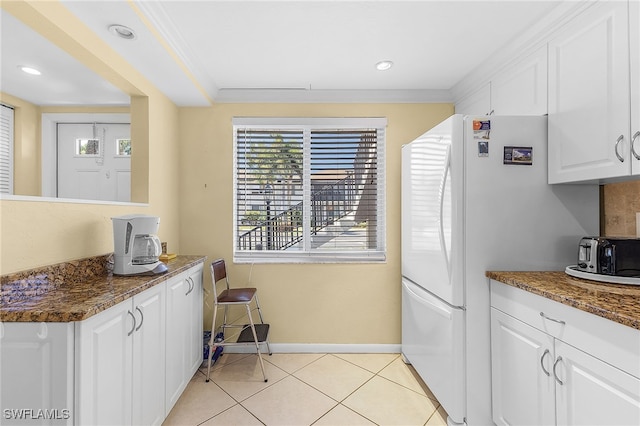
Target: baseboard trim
[320, 348]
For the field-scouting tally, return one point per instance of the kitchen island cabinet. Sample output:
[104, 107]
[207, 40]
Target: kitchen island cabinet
[554, 364]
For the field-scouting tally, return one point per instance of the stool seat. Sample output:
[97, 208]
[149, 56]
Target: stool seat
[251, 333]
[237, 295]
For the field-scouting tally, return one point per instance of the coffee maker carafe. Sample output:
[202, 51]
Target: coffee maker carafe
[137, 249]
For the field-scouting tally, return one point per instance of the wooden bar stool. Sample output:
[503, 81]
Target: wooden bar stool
[249, 334]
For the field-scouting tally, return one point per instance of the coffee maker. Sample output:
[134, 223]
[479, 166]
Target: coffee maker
[136, 247]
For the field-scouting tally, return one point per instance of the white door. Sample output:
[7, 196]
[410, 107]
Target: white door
[634, 27]
[149, 357]
[94, 161]
[589, 96]
[194, 344]
[427, 212]
[521, 372]
[36, 372]
[593, 392]
[433, 342]
[522, 89]
[103, 367]
[178, 311]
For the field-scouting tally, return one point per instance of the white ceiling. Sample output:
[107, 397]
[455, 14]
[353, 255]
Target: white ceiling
[206, 51]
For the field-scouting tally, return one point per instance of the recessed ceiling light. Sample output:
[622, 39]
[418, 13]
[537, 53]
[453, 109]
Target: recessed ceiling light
[29, 70]
[122, 32]
[384, 65]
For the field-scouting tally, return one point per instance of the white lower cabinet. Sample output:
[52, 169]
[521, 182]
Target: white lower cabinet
[120, 362]
[114, 368]
[592, 391]
[36, 373]
[184, 333]
[543, 373]
[522, 392]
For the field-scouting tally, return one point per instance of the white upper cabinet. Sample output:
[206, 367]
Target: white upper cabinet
[521, 89]
[476, 103]
[634, 28]
[589, 96]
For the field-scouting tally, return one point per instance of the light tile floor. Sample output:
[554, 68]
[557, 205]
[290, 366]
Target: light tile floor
[308, 389]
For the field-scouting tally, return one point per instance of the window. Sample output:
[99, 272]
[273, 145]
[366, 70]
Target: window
[6, 149]
[87, 147]
[309, 190]
[123, 147]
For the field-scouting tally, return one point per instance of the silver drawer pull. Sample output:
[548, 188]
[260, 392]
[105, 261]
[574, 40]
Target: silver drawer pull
[555, 365]
[141, 317]
[133, 327]
[635, 136]
[546, 352]
[552, 319]
[620, 139]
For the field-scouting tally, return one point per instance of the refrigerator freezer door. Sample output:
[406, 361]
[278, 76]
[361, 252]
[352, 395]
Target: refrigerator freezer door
[433, 342]
[427, 213]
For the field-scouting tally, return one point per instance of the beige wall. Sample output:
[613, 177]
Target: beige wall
[39, 232]
[304, 303]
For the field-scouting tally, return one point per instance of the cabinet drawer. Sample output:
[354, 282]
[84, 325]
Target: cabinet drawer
[614, 343]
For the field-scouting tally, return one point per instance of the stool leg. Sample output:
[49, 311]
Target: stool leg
[262, 321]
[224, 320]
[258, 307]
[211, 347]
[255, 339]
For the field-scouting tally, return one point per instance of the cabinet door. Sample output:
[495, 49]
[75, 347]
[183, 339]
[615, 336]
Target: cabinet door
[521, 362]
[177, 338]
[103, 367]
[477, 103]
[194, 331]
[634, 27]
[589, 96]
[149, 357]
[594, 392]
[36, 372]
[522, 88]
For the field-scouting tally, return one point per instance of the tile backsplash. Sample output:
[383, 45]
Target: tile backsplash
[621, 202]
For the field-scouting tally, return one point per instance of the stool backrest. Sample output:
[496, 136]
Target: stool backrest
[218, 272]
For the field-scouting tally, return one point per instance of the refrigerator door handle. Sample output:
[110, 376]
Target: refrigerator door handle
[433, 305]
[443, 182]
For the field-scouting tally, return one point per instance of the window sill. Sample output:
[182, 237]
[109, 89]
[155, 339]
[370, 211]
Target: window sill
[282, 257]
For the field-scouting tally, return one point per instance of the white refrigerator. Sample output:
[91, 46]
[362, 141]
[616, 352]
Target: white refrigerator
[475, 198]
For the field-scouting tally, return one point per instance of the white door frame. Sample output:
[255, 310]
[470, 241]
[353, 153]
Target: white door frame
[49, 122]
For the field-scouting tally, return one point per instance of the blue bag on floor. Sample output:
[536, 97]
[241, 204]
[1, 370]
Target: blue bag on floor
[218, 351]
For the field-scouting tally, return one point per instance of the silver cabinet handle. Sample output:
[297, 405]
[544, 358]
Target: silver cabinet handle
[635, 136]
[134, 323]
[620, 139]
[555, 375]
[546, 352]
[552, 319]
[191, 286]
[141, 317]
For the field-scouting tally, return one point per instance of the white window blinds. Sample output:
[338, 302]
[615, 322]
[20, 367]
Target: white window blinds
[6, 150]
[309, 190]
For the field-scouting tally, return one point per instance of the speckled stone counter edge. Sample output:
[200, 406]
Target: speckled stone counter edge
[619, 303]
[76, 290]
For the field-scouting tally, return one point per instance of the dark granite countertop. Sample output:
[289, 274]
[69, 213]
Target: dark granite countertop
[616, 302]
[77, 290]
